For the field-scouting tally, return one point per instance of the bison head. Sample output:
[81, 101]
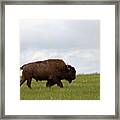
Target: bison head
[71, 73]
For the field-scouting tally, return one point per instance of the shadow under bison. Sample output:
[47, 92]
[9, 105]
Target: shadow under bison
[52, 70]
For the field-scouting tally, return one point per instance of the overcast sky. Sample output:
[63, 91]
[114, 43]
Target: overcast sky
[77, 42]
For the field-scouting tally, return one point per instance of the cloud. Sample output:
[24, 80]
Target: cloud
[84, 61]
[77, 42]
[59, 34]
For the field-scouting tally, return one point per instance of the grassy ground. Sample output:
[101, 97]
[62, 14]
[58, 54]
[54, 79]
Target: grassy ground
[84, 87]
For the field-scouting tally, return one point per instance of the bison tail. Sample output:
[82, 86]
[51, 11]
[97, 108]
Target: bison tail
[21, 68]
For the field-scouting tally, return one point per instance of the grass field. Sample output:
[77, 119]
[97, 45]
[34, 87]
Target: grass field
[84, 87]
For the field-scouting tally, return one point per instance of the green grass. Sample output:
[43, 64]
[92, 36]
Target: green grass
[84, 87]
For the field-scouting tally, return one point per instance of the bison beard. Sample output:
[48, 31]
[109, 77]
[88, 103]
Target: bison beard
[52, 70]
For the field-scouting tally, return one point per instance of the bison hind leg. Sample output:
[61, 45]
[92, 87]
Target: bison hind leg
[22, 81]
[59, 83]
[47, 84]
[36, 80]
[50, 83]
[29, 83]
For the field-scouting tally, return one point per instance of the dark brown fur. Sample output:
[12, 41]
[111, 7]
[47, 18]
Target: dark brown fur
[52, 70]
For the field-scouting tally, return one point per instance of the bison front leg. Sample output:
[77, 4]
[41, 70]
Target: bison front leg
[59, 83]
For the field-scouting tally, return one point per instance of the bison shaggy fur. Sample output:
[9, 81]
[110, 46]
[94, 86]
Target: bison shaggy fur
[52, 70]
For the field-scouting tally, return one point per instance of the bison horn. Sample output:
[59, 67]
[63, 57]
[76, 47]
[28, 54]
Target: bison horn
[68, 67]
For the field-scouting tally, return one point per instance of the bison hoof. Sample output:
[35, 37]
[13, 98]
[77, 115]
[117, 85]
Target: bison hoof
[48, 85]
[30, 87]
[61, 86]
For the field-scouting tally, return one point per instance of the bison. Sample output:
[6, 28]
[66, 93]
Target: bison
[52, 70]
